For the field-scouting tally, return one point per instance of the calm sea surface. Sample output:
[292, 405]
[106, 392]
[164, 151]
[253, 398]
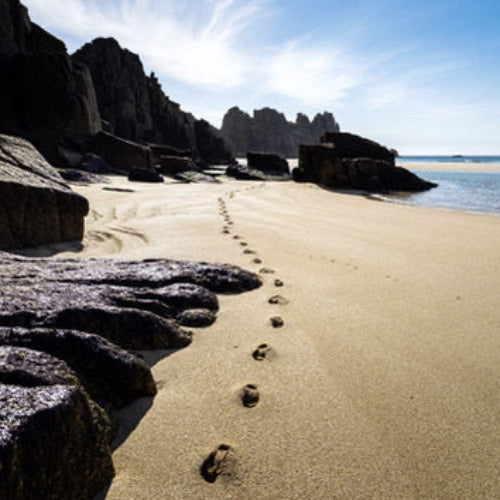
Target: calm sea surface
[470, 191]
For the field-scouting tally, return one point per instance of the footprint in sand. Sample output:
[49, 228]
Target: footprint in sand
[248, 251]
[277, 321]
[278, 282]
[250, 396]
[257, 260]
[266, 270]
[262, 352]
[225, 230]
[236, 237]
[278, 299]
[243, 243]
[218, 462]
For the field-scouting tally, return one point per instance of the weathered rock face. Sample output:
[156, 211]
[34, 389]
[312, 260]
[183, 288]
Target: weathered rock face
[121, 154]
[144, 175]
[36, 206]
[136, 107]
[54, 443]
[210, 144]
[112, 376]
[382, 176]
[132, 304]
[269, 131]
[44, 96]
[323, 165]
[318, 164]
[348, 145]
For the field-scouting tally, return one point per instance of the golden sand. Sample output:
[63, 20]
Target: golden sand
[383, 381]
[451, 166]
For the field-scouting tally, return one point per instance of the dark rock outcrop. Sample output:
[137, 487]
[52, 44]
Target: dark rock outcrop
[45, 97]
[28, 368]
[210, 144]
[111, 376]
[347, 145]
[54, 443]
[382, 176]
[144, 175]
[173, 165]
[132, 304]
[36, 206]
[270, 164]
[136, 108]
[245, 173]
[269, 131]
[121, 154]
[323, 164]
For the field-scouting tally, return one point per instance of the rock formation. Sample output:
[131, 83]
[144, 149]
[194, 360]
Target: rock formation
[348, 145]
[268, 163]
[113, 377]
[269, 131]
[36, 205]
[54, 443]
[62, 372]
[136, 108]
[45, 97]
[348, 161]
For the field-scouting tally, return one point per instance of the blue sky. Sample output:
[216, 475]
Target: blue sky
[420, 76]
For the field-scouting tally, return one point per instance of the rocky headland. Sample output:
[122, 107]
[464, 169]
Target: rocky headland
[134, 106]
[268, 131]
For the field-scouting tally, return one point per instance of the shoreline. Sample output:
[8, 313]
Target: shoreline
[381, 380]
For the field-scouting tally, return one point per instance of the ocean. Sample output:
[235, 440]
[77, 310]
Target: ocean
[468, 191]
[471, 191]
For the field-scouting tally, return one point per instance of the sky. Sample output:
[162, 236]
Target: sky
[419, 76]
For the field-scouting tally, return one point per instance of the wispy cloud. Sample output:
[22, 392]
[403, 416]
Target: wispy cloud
[207, 45]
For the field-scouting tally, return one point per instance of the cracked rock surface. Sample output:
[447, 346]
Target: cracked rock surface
[65, 327]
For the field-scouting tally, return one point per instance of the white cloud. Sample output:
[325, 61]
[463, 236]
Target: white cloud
[197, 44]
[318, 76]
[206, 44]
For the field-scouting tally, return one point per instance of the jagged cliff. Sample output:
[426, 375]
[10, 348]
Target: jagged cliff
[136, 107]
[45, 97]
[269, 131]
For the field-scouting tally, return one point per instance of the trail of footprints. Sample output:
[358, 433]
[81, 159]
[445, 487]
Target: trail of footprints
[221, 461]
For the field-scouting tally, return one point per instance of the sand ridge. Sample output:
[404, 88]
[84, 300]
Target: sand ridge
[382, 379]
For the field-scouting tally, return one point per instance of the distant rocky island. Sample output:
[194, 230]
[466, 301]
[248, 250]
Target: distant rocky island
[268, 131]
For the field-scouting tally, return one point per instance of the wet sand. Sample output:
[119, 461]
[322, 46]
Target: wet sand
[383, 380]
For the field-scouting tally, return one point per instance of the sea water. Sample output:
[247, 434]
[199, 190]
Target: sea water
[469, 191]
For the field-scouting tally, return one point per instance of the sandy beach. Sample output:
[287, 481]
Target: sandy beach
[450, 166]
[383, 381]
